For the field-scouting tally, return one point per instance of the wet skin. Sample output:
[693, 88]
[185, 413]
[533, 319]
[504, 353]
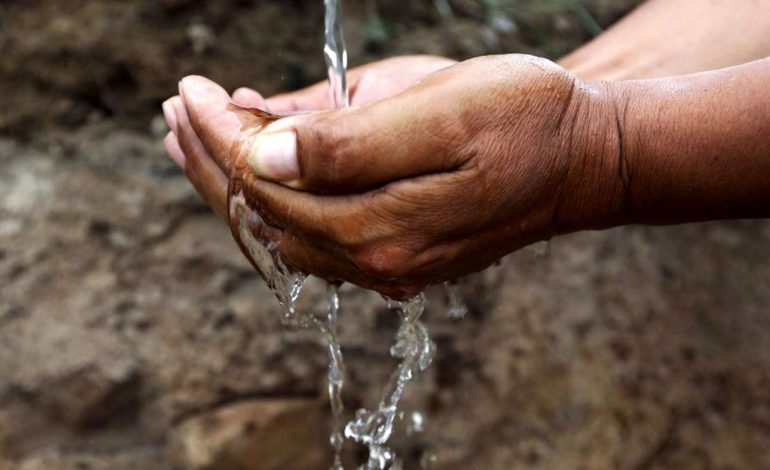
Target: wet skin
[442, 178]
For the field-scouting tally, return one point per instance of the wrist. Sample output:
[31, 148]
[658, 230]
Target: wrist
[595, 190]
[696, 146]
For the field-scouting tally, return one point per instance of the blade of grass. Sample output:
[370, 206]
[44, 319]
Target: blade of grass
[587, 20]
[444, 9]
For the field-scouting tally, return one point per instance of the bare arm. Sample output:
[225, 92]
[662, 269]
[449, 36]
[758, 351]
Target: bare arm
[696, 147]
[675, 37]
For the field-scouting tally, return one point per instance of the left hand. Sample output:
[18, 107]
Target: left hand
[366, 84]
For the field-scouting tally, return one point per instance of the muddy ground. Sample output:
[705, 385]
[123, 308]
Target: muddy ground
[133, 334]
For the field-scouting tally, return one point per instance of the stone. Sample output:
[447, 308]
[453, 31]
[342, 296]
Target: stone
[55, 460]
[255, 435]
[89, 397]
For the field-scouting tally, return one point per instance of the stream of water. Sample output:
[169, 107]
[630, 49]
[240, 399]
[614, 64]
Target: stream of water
[336, 54]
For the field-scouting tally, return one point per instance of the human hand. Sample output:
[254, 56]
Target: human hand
[470, 164]
[366, 84]
[208, 173]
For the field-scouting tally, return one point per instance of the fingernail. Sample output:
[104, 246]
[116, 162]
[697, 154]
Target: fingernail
[193, 87]
[174, 150]
[274, 156]
[239, 95]
[188, 88]
[170, 115]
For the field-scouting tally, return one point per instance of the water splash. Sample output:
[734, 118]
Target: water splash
[414, 347]
[282, 281]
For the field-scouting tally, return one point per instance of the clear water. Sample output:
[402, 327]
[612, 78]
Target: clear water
[415, 349]
[456, 308]
[336, 54]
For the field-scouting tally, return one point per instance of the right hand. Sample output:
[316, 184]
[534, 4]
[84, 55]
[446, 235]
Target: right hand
[474, 162]
[367, 84]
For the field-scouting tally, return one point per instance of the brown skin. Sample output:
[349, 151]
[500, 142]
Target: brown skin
[366, 84]
[444, 179]
[665, 38]
[697, 147]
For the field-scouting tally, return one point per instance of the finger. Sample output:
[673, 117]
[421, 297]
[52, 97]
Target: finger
[171, 144]
[387, 233]
[315, 97]
[363, 230]
[170, 114]
[207, 178]
[312, 98]
[249, 98]
[299, 253]
[416, 133]
[216, 127]
[333, 219]
[310, 258]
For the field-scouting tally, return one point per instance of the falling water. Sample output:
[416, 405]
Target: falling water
[336, 55]
[415, 349]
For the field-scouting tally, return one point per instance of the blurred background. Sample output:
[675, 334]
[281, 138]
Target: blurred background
[134, 335]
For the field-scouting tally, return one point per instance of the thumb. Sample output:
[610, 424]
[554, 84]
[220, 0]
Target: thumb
[357, 149]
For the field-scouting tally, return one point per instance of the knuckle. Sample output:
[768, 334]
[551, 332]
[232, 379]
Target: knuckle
[333, 154]
[348, 232]
[384, 261]
[400, 291]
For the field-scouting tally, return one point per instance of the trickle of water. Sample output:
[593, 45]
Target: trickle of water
[336, 54]
[336, 373]
[456, 308]
[414, 347]
[283, 282]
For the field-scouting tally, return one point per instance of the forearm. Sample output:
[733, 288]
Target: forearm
[696, 147]
[675, 37]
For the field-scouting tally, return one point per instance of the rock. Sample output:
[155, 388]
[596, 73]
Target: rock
[138, 459]
[255, 435]
[91, 396]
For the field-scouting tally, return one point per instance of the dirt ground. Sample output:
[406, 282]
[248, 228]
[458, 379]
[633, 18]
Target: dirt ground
[133, 334]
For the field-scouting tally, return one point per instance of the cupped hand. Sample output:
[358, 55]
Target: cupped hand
[470, 164]
[366, 84]
[208, 172]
